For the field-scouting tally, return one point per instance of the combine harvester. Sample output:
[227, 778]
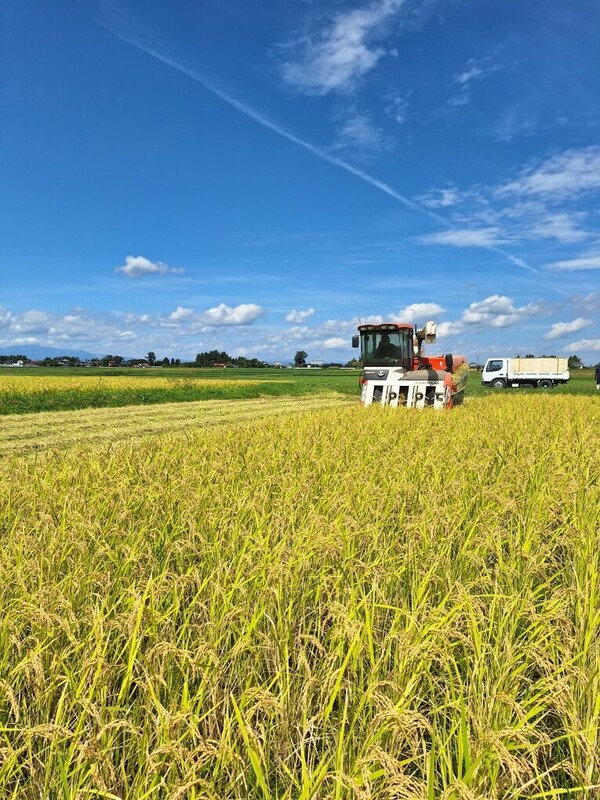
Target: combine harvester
[397, 373]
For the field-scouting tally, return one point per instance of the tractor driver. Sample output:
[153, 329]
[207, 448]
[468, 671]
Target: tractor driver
[385, 349]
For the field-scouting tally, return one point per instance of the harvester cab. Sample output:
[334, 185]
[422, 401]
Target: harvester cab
[397, 373]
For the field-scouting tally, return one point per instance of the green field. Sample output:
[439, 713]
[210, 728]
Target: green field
[296, 598]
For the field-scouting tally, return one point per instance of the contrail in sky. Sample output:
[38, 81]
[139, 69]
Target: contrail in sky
[266, 123]
[311, 148]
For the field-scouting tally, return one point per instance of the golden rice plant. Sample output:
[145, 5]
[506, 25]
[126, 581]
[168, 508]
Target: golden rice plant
[31, 384]
[27, 394]
[349, 603]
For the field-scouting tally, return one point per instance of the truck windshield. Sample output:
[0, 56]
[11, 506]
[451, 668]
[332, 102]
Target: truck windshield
[387, 348]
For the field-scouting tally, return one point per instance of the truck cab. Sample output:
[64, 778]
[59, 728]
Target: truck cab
[495, 373]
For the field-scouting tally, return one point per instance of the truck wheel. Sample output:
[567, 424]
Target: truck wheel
[545, 384]
[498, 383]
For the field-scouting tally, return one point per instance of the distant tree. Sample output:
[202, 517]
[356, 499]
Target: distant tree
[165, 362]
[105, 360]
[354, 362]
[248, 363]
[220, 358]
[13, 359]
[575, 362]
[177, 362]
[211, 358]
[118, 360]
[300, 358]
[151, 358]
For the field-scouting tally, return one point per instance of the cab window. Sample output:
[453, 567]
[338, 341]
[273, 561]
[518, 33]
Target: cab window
[494, 366]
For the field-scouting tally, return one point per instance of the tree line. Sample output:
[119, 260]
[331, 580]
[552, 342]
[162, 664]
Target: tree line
[211, 358]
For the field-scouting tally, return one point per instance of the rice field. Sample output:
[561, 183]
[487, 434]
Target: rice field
[331, 604]
[34, 384]
[26, 394]
[36, 390]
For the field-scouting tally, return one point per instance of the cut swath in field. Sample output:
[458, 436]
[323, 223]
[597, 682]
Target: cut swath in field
[23, 433]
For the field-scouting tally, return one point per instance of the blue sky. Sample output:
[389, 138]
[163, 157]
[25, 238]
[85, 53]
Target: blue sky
[260, 177]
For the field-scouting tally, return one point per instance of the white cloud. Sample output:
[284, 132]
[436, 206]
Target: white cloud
[5, 316]
[32, 322]
[181, 313]
[444, 329]
[299, 316]
[499, 311]
[334, 342]
[23, 340]
[564, 175]
[397, 108]
[538, 205]
[136, 266]
[112, 332]
[471, 72]
[419, 312]
[373, 319]
[589, 303]
[56, 330]
[514, 122]
[562, 328]
[562, 227]
[592, 345]
[572, 264]
[299, 330]
[478, 237]
[343, 52]
[244, 314]
[359, 133]
[475, 70]
[440, 198]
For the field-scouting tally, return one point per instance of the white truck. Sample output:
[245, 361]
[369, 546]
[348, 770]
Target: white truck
[544, 372]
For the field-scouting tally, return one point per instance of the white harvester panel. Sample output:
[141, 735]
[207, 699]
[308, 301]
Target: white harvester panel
[396, 392]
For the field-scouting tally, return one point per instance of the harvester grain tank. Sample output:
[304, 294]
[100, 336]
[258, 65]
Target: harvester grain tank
[397, 373]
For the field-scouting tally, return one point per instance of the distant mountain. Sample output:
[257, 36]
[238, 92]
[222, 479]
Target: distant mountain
[37, 352]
